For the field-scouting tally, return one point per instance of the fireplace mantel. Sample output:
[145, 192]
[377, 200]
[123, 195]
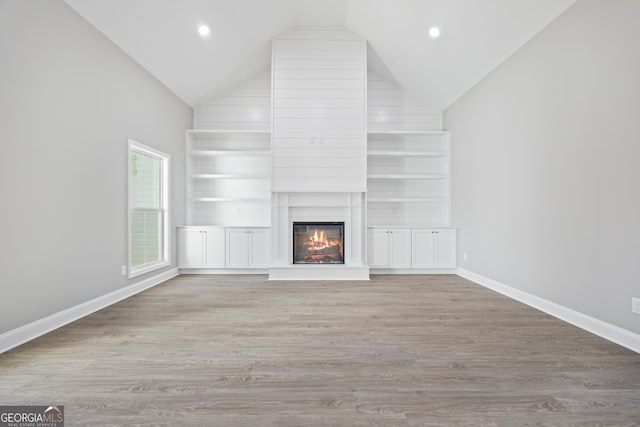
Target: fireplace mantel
[290, 207]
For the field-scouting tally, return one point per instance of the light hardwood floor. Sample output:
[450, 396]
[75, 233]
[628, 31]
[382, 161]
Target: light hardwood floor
[395, 351]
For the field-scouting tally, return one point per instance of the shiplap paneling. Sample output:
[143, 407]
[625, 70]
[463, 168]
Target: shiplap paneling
[319, 54]
[311, 133]
[293, 73]
[308, 33]
[310, 162]
[327, 104]
[390, 108]
[321, 83]
[323, 113]
[316, 64]
[320, 43]
[333, 124]
[317, 93]
[246, 107]
[315, 153]
[319, 111]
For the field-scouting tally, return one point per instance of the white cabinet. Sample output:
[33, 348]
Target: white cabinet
[220, 247]
[389, 248]
[247, 247]
[434, 248]
[411, 248]
[228, 178]
[201, 247]
[408, 179]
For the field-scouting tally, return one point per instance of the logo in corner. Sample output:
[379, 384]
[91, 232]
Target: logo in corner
[32, 416]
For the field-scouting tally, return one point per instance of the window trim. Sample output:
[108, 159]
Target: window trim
[165, 198]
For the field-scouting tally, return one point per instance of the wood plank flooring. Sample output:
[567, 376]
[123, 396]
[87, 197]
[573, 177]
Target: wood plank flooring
[395, 351]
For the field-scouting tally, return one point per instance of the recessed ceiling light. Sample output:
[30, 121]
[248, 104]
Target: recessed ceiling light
[434, 32]
[204, 30]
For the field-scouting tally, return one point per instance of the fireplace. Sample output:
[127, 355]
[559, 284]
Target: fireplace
[318, 242]
[296, 216]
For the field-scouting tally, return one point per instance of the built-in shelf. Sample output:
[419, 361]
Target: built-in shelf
[228, 178]
[408, 178]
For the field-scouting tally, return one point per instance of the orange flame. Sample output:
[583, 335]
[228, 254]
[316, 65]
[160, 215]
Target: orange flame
[320, 240]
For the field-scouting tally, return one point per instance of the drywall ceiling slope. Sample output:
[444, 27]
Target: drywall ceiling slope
[162, 36]
[319, 13]
[477, 35]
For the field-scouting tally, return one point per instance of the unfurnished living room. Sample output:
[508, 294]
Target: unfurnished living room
[320, 212]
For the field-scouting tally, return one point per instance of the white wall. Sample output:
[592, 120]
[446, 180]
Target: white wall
[69, 99]
[546, 165]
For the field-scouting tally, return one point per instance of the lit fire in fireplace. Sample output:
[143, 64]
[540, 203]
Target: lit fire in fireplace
[319, 242]
[315, 245]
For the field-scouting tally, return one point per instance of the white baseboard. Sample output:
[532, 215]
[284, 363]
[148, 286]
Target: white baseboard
[33, 330]
[427, 271]
[602, 329]
[222, 271]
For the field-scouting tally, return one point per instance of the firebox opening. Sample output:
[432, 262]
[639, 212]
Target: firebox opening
[318, 242]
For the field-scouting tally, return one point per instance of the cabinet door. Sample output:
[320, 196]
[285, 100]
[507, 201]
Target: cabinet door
[237, 248]
[378, 248]
[446, 248]
[400, 248]
[190, 247]
[259, 244]
[214, 247]
[423, 248]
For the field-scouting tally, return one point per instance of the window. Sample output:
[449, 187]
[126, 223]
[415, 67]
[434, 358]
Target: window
[148, 209]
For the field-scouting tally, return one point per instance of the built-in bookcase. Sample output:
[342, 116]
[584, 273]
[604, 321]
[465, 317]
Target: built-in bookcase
[408, 178]
[228, 178]
[319, 137]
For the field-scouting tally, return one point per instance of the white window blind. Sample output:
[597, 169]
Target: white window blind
[148, 208]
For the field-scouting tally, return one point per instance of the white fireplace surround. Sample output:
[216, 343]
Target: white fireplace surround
[290, 207]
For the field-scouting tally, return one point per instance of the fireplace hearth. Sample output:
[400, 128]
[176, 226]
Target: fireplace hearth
[318, 242]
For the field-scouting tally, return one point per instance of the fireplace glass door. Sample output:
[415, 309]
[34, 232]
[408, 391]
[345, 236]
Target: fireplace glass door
[318, 242]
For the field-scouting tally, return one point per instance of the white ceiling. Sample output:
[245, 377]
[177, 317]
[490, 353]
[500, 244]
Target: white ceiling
[477, 35]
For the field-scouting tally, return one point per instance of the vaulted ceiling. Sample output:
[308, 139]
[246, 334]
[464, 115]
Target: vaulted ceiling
[476, 36]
